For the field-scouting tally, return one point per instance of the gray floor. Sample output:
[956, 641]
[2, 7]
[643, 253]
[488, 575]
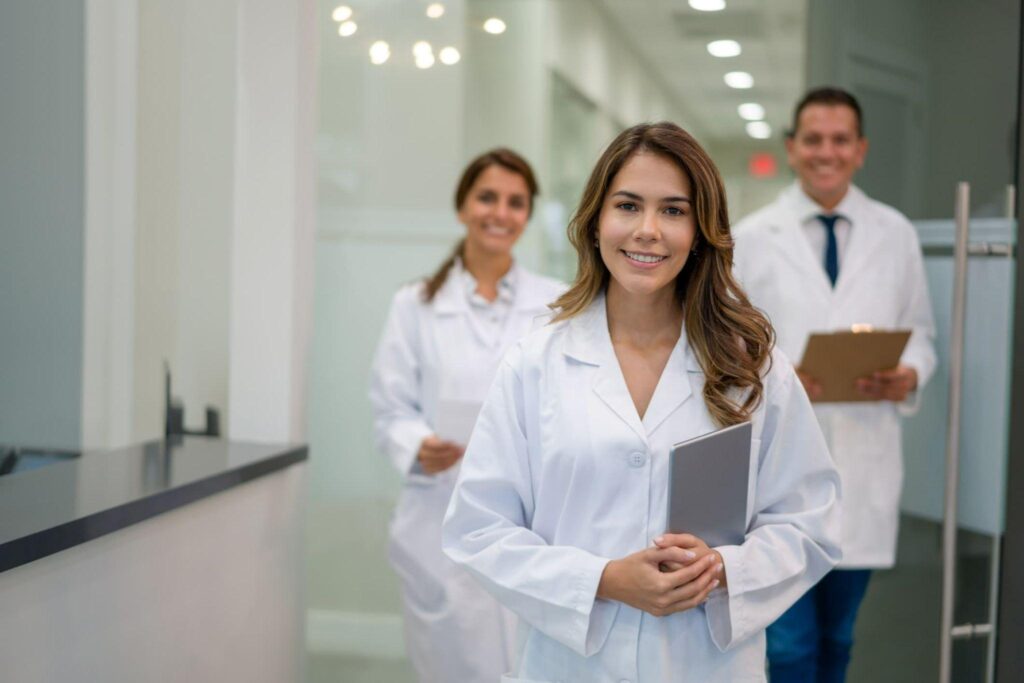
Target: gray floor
[897, 638]
[328, 669]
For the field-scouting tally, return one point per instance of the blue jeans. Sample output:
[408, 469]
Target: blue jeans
[811, 642]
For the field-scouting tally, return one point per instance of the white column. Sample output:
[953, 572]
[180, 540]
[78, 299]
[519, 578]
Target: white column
[272, 236]
[109, 251]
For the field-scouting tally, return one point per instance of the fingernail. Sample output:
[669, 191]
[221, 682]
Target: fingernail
[718, 568]
[689, 554]
[659, 539]
[714, 584]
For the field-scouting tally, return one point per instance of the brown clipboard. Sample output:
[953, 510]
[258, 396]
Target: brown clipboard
[837, 359]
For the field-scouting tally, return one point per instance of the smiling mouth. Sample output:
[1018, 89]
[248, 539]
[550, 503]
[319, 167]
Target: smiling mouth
[497, 230]
[643, 258]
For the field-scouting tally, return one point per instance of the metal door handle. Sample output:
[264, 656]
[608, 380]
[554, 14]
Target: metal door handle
[956, 358]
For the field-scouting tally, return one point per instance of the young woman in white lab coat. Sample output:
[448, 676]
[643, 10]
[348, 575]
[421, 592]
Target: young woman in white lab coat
[441, 346]
[560, 508]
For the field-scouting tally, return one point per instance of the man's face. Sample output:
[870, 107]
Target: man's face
[826, 151]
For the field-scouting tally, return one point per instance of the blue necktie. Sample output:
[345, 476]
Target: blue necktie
[831, 248]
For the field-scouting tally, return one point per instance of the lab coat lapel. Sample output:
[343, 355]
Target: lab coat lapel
[589, 342]
[794, 247]
[674, 387]
[450, 298]
[862, 246]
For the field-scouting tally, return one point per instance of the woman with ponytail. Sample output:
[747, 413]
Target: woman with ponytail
[560, 510]
[441, 346]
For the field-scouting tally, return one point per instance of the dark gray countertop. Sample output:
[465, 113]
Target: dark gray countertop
[51, 508]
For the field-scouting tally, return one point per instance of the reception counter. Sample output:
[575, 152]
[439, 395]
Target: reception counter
[160, 562]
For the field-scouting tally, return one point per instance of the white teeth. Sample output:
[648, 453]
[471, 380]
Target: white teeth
[498, 230]
[645, 258]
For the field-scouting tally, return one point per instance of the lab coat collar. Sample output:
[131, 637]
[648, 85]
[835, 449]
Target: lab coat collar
[588, 341]
[860, 248]
[807, 209]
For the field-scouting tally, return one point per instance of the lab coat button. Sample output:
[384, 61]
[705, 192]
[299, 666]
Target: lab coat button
[637, 459]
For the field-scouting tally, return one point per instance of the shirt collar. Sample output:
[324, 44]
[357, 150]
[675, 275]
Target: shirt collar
[506, 285]
[808, 210]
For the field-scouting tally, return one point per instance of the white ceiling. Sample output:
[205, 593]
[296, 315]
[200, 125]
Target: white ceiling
[673, 38]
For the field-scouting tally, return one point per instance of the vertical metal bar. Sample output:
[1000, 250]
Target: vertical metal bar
[956, 358]
[993, 610]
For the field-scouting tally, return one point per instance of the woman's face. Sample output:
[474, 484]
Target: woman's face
[496, 210]
[646, 227]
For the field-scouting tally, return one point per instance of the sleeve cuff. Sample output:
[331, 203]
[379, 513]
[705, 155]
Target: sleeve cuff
[405, 444]
[597, 615]
[724, 605]
[912, 403]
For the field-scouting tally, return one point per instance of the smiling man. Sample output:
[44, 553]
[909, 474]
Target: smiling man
[824, 256]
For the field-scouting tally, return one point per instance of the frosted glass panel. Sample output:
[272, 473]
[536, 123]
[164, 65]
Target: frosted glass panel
[985, 424]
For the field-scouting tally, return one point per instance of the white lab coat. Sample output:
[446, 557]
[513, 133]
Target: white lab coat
[561, 476]
[882, 283]
[454, 631]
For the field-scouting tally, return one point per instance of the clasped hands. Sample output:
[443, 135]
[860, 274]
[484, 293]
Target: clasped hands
[885, 385]
[675, 575]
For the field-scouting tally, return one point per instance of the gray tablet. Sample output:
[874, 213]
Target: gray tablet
[707, 494]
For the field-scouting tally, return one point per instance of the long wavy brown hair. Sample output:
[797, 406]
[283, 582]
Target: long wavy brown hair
[501, 156]
[731, 339]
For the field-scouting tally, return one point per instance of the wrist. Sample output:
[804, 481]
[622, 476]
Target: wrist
[607, 585]
[722, 578]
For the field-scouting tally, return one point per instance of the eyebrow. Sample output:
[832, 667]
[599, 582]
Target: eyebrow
[636, 197]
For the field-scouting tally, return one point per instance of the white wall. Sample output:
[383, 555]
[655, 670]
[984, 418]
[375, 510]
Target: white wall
[199, 223]
[108, 290]
[271, 240]
[584, 46]
[186, 119]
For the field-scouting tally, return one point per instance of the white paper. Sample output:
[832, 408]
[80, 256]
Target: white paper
[455, 419]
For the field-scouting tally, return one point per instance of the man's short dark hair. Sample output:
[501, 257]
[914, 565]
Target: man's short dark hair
[832, 97]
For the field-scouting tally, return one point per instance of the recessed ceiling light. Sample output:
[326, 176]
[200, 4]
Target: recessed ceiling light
[425, 60]
[708, 5]
[341, 13]
[751, 111]
[759, 130]
[435, 10]
[347, 28]
[739, 79]
[494, 25]
[724, 48]
[449, 56]
[380, 52]
[422, 47]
